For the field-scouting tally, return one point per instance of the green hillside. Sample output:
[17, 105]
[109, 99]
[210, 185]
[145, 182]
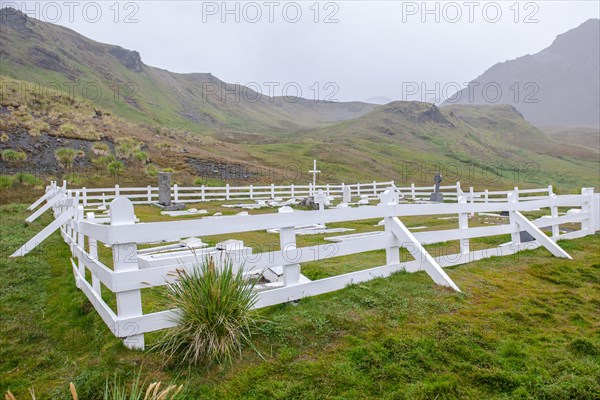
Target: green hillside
[47, 54]
[181, 125]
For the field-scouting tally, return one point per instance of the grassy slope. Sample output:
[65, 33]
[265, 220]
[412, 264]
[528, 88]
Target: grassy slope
[588, 138]
[160, 96]
[477, 145]
[526, 326]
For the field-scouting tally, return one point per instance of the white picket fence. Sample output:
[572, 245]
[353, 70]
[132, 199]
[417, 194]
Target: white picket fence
[197, 194]
[134, 270]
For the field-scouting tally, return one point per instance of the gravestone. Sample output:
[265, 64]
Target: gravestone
[346, 194]
[164, 188]
[164, 193]
[321, 199]
[437, 196]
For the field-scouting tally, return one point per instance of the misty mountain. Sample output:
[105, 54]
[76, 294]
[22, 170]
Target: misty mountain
[559, 86]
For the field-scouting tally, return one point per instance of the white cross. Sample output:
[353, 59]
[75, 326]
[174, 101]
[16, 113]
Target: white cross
[314, 171]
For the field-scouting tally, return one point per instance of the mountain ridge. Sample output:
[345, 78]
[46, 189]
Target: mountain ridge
[557, 86]
[33, 50]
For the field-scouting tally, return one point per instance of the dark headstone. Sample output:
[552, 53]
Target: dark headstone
[437, 196]
[164, 188]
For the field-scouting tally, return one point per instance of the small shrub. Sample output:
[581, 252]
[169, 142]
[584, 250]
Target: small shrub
[13, 157]
[4, 138]
[198, 182]
[100, 149]
[65, 156]
[141, 156]
[36, 127]
[215, 318]
[103, 161]
[127, 147]
[116, 168]
[67, 129]
[164, 146]
[151, 171]
[5, 181]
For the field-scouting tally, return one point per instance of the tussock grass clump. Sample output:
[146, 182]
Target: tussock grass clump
[65, 156]
[216, 318]
[13, 157]
[118, 391]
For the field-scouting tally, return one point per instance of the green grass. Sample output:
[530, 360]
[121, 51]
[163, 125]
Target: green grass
[525, 326]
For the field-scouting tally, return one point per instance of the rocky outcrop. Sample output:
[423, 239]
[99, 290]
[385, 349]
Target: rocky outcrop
[130, 59]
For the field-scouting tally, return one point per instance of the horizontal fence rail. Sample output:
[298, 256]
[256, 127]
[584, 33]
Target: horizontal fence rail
[129, 271]
[197, 194]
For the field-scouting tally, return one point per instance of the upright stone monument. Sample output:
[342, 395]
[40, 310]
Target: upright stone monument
[437, 196]
[164, 189]
[346, 195]
[164, 193]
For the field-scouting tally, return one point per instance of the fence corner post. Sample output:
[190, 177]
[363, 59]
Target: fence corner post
[588, 206]
[129, 303]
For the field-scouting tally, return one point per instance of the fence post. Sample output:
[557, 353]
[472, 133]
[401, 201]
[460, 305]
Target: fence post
[327, 189]
[175, 193]
[293, 195]
[374, 188]
[588, 207]
[272, 190]
[486, 195]
[412, 191]
[515, 237]
[287, 241]
[392, 253]
[149, 194]
[358, 189]
[129, 303]
[81, 243]
[227, 191]
[472, 197]
[553, 211]
[203, 193]
[93, 252]
[117, 191]
[84, 196]
[463, 223]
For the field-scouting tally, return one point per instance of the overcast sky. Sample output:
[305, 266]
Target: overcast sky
[365, 49]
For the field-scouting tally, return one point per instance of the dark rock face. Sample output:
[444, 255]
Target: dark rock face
[14, 19]
[433, 114]
[130, 59]
[417, 113]
[47, 59]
